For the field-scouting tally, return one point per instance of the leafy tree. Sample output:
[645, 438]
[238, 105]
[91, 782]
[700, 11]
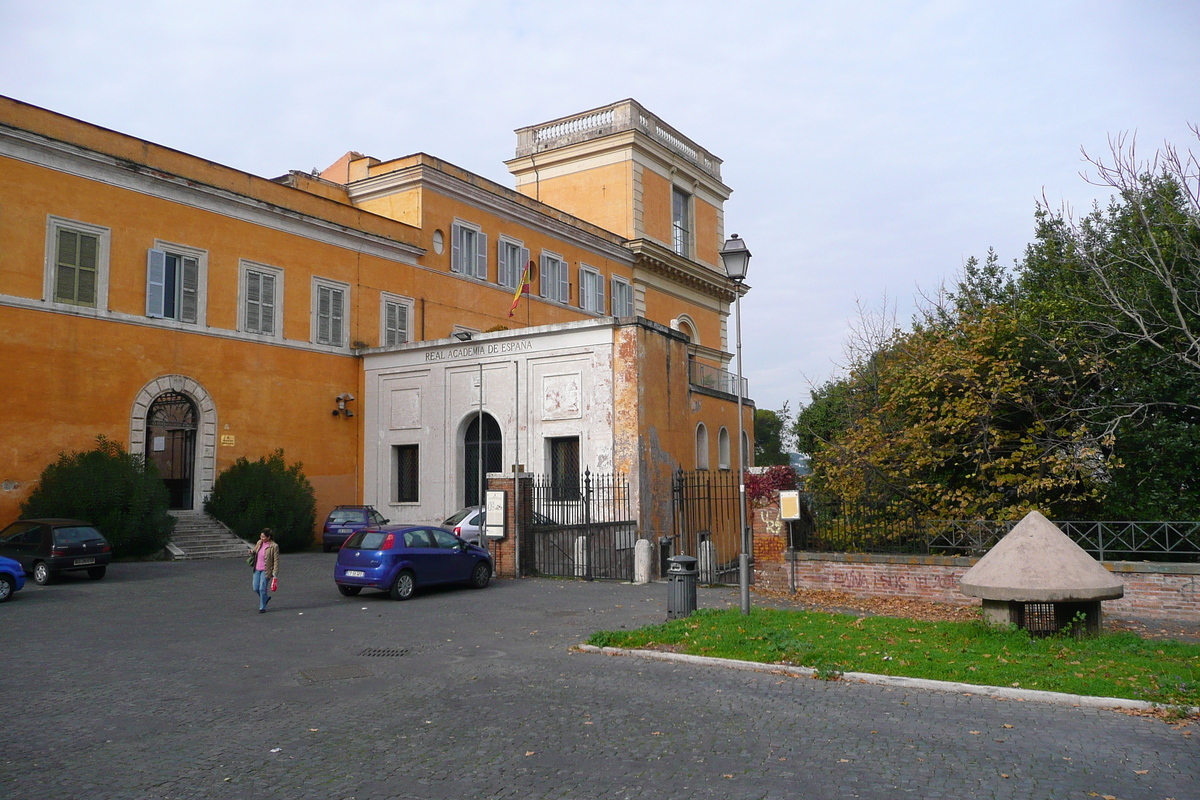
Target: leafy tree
[961, 417]
[252, 495]
[119, 493]
[1117, 296]
[770, 428]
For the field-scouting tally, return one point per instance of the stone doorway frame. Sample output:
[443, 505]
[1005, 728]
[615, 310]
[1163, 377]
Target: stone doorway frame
[204, 468]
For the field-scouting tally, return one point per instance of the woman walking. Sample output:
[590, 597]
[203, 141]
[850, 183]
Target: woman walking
[266, 563]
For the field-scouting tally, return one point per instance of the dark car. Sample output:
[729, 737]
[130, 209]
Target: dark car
[399, 558]
[47, 547]
[344, 521]
[12, 577]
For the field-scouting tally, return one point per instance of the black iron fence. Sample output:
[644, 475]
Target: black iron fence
[706, 522]
[832, 525]
[588, 532]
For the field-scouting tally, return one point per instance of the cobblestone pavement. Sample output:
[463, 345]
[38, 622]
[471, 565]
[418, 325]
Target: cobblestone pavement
[163, 681]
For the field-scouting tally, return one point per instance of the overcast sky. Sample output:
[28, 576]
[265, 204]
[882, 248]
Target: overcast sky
[871, 147]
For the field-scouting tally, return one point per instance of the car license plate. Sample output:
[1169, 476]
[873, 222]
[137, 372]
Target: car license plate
[345, 530]
[354, 573]
[82, 561]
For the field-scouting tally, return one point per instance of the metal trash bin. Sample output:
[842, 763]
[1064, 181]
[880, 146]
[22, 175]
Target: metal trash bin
[681, 586]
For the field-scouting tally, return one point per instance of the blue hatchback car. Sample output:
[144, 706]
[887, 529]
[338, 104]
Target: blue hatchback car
[399, 558]
[12, 577]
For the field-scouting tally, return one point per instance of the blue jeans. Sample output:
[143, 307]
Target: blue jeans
[262, 587]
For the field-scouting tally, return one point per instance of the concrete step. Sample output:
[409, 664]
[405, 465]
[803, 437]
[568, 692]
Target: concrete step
[199, 536]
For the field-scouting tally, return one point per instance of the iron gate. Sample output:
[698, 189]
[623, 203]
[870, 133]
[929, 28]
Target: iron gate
[706, 522]
[582, 526]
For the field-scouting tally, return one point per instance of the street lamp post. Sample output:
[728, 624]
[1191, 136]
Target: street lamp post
[736, 258]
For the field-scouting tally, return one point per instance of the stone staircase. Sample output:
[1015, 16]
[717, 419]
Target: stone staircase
[198, 536]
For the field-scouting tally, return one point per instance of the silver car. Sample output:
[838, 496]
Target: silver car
[466, 523]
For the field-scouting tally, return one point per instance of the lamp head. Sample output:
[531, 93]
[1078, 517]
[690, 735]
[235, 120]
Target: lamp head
[735, 256]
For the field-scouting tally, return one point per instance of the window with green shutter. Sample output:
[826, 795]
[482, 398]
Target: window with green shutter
[76, 265]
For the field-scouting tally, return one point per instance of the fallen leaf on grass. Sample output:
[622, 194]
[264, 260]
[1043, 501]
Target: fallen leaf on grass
[528, 752]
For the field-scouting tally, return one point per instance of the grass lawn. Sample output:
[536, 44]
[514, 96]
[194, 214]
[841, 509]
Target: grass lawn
[1112, 665]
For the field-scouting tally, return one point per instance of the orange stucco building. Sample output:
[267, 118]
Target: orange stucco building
[198, 314]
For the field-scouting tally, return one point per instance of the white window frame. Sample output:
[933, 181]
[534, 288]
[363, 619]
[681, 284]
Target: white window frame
[343, 326]
[182, 252]
[244, 269]
[507, 274]
[591, 289]
[681, 227]
[408, 304]
[554, 284]
[104, 241]
[474, 264]
[626, 288]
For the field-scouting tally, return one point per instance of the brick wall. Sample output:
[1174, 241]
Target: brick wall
[1169, 591]
[504, 551]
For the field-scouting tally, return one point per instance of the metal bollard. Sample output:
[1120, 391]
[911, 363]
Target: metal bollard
[681, 586]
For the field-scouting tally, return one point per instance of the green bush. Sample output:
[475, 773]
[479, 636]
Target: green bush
[119, 493]
[252, 495]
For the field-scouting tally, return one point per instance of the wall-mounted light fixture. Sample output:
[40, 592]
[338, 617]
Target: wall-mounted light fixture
[462, 336]
[341, 409]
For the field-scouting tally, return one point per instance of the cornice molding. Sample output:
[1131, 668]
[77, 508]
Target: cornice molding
[656, 259]
[71, 159]
[427, 176]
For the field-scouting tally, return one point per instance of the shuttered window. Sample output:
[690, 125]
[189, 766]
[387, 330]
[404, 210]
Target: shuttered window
[260, 302]
[76, 265]
[172, 286]
[555, 280]
[395, 323]
[331, 315]
[468, 251]
[622, 298]
[511, 259]
[591, 290]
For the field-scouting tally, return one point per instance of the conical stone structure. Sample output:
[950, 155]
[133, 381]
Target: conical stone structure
[1037, 578]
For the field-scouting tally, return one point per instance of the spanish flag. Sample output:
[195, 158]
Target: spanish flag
[522, 288]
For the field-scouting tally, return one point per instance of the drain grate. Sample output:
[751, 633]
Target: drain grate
[317, 674]
[384, 652]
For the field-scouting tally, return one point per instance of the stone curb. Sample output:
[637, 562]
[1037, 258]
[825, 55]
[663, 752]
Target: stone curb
[1003, 692]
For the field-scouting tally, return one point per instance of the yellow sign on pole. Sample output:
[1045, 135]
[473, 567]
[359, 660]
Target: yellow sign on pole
[789, 504]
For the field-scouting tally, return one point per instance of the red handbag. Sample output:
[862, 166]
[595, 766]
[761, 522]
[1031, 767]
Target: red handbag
[274, 584]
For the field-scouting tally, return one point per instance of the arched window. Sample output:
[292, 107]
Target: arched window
[493, 456]
[701, 446]
[723, 448]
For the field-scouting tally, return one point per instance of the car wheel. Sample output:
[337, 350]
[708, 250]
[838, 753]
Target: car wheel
[481, 575]
[349, 591]
[404, 586]
[42, 574]
[326, 548]
[96, 573]
[6, 588]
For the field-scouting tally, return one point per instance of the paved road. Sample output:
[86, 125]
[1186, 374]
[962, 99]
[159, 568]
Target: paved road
[163, 681]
